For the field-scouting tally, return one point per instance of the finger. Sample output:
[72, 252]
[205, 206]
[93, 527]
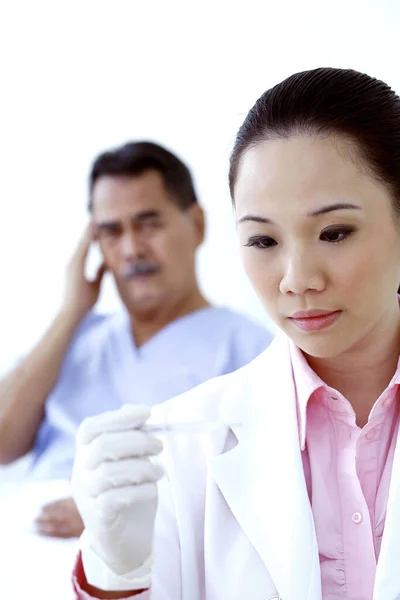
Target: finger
[95, 230]
[129, 416]
[46, 528]
[83, 246]
[119, 446]
[59, 509]
[52, 513]
[111, 475]
[53, 529]
[100, 273]
[48, 521]
[109, 504]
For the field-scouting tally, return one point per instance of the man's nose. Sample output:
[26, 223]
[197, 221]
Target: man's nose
[131, 245]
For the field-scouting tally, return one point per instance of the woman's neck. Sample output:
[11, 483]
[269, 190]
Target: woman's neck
[363, 373]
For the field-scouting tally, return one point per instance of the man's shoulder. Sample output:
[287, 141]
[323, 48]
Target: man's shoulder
[245, 323]
[244, 337]
[93, 320]
[204, 400]
[94, 331]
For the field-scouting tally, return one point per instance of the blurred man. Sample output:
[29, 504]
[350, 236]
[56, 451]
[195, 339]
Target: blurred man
[166, 340]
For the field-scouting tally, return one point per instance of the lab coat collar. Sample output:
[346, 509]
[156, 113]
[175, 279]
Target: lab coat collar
[387, 580]
[262, 477]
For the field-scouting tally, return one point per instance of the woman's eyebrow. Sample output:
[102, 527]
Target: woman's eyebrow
[331, 207]
[255, 219]
[315, 213]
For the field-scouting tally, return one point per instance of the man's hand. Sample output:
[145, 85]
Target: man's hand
[60, 519]
[80, 294]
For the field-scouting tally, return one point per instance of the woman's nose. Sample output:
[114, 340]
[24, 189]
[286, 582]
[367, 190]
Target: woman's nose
[301, 274]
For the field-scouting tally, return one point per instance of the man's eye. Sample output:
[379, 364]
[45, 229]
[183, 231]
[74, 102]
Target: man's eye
[262, 242]
[153, 224]
[109, 232]
[334, 236]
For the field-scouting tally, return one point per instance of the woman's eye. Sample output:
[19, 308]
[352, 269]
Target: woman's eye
[262, 242]
[335, 236]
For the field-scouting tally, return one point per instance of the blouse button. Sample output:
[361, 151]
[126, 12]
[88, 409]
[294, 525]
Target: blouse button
[357, 518]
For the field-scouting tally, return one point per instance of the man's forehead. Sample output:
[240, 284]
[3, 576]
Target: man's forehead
[133, 216]
[129, 197]
[141, 185]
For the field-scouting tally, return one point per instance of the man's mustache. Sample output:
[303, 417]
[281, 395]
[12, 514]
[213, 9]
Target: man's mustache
[142, 267]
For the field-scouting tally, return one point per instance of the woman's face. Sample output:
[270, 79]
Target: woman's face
[319, 241]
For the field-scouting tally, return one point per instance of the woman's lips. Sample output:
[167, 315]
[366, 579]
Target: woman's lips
[315, 322]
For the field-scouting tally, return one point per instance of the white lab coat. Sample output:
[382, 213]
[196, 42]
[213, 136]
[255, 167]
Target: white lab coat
[235, 521]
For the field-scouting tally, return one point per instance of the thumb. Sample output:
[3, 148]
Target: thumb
[83, 246]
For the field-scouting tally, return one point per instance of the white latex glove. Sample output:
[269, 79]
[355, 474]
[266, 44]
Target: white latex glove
[114, 487]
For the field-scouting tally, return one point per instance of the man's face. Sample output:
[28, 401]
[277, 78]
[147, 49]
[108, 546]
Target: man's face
[147, 241]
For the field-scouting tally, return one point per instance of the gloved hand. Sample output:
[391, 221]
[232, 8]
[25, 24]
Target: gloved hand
[114, 487]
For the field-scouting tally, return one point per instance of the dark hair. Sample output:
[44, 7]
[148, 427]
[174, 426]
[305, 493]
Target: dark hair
[135, 158]
[327, 101]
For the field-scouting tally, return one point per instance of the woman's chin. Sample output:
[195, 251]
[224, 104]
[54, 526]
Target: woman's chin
[320, 345]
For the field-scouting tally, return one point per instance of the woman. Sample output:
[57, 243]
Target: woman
[299, 498]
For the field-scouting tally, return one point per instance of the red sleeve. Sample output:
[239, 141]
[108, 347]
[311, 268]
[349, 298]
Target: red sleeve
[79, 582]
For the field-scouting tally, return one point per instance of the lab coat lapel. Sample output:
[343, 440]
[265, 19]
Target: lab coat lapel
[387, 580]
[262, 477]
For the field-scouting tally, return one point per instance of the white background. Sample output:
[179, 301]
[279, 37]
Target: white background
[80, 76]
